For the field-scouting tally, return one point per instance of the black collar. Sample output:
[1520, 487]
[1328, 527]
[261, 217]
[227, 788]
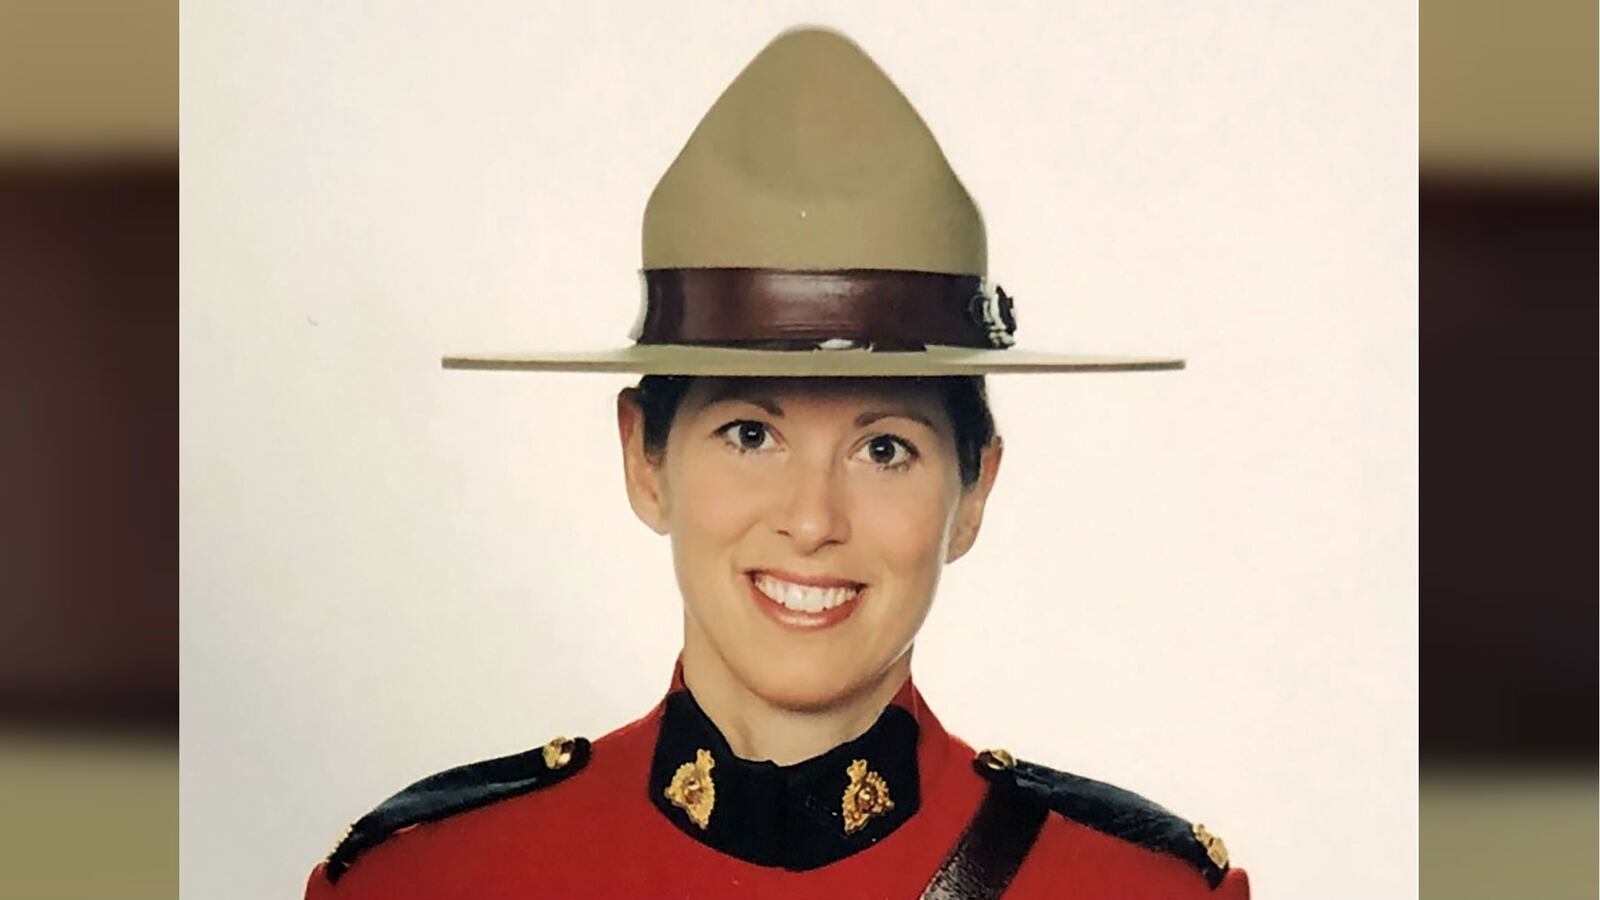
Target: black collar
[795, 817]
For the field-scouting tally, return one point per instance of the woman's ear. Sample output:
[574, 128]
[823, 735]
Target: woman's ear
[969, 511]
[641, 476]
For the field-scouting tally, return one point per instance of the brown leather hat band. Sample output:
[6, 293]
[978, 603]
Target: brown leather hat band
[891, 310]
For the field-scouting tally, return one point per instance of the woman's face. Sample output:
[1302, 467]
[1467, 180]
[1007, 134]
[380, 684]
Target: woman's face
[810, 520]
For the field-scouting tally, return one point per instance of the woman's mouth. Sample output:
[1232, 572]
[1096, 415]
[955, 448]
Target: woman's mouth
[814, 603]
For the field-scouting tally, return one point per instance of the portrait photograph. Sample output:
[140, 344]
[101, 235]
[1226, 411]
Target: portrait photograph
[714, 450]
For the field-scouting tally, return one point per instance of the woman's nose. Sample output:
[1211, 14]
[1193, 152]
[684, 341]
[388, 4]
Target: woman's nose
[813, 514]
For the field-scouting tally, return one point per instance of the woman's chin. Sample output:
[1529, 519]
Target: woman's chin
[803, 686]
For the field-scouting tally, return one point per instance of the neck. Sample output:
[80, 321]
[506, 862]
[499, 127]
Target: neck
[757, 729]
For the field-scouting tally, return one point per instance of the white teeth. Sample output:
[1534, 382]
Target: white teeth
[801, 597]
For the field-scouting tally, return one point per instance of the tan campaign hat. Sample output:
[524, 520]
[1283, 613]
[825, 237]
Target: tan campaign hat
[812, 226]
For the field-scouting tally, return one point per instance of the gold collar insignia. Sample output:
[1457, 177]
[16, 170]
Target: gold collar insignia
[866, 796]
[692, 790]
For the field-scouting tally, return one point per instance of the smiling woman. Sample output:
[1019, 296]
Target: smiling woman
[810, 519]
[813, 437]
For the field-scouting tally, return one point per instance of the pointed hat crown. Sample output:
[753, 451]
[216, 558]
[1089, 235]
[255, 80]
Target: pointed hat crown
[811, 226]
[813, 159]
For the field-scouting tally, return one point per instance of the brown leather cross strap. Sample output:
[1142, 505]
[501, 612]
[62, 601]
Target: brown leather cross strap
[992, 848]
[889, 309]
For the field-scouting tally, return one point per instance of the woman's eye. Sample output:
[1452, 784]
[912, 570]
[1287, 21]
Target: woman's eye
[888, 451]
[747, 435]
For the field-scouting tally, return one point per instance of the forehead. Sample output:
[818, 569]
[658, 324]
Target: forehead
[889, 393]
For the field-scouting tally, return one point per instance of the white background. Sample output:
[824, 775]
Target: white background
[1200, 585]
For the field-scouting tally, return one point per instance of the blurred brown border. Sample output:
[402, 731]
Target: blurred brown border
[1508, 324]
[88, 329]
[1508, 478]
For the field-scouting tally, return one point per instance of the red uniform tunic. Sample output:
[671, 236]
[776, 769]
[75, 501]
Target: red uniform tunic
[611, 829]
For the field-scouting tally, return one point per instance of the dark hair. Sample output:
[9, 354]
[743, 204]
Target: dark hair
[966, 400]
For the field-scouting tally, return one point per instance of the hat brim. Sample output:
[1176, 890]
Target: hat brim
[680, 359]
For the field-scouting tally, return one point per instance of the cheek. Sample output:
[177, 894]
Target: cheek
[908, 524]
[712, 505]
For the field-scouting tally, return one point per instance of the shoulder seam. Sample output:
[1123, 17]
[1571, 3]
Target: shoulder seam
[455, 791]
[1118, 813]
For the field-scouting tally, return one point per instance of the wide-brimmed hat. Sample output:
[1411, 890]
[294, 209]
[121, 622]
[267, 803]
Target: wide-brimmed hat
[812, 226]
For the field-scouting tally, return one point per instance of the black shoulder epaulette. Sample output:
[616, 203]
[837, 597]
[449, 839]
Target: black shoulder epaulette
[457, 790]
[1111, 810]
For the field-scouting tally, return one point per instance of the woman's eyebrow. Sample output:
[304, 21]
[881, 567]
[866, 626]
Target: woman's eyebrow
[739, 392]
[744, 394]
[867, 418]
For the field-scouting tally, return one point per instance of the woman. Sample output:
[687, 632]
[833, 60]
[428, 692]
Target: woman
[812, 434]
